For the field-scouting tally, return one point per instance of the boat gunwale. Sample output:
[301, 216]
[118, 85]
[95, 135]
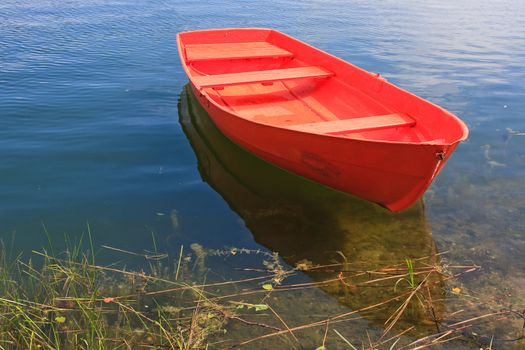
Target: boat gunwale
[436, 142]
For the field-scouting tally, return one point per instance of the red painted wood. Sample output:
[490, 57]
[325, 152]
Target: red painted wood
[220, 80]
[356, 124]
[203, 52]
[353, 131]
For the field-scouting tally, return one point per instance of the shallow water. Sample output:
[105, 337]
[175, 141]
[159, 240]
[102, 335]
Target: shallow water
[90, 133]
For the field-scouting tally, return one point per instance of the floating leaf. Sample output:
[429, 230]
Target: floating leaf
[267, 286]
[304, 265]
[257, 307]
[170, 309]
[60, 319]
[456, 290]
[261, 307]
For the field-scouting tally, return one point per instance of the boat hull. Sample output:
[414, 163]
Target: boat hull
[318, 116]
[393, 175]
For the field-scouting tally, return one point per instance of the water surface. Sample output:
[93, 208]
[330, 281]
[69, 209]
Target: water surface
[90, 134]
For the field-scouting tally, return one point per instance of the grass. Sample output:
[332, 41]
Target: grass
[66, 301]
[69, 302]
[410, 276]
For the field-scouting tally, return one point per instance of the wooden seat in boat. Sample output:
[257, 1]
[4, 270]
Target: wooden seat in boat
[343, 126]
[225, 51]
[263, 76]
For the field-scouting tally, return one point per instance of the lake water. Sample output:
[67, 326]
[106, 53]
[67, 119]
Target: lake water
[96, 128]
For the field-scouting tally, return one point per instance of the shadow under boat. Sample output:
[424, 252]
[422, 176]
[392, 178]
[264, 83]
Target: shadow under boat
[310, 224]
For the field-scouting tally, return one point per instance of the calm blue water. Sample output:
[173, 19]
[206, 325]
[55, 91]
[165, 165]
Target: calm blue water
[90, 132]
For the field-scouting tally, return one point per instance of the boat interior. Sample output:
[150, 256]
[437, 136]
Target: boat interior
[268, 77]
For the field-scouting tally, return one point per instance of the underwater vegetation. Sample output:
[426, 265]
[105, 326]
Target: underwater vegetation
[332, 272]
[152, 300]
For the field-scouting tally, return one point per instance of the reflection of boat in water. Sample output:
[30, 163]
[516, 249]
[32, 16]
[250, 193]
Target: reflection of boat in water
[307, 222]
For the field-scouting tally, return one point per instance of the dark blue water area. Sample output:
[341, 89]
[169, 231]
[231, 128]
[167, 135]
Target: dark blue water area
[90, 132]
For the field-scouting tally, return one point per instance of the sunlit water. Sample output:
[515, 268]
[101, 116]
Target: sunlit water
[90, 135]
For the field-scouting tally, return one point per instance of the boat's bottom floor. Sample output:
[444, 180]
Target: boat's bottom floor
[295, 105]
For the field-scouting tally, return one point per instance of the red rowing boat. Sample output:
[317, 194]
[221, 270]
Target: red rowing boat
[318, 116]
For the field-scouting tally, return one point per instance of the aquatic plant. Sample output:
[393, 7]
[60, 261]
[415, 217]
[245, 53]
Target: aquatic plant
[410, 275]
[66, 300]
